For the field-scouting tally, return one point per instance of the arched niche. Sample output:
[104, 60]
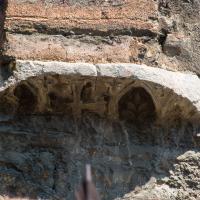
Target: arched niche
[136, 106]
[86, 93]
[27, 98]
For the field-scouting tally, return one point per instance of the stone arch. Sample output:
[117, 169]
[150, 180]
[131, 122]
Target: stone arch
[137, 106]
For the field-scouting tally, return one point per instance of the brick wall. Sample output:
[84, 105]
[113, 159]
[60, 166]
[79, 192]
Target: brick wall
[86, 31]
[156, 33]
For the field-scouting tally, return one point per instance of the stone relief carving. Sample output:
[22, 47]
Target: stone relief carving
[122, 99]
[137, 107]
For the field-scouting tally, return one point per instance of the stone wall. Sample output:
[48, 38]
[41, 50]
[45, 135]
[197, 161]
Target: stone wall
[114, 83]
[162, 33]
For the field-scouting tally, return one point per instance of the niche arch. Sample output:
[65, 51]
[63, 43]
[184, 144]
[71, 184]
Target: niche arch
[136, 105]
[150, 89]
[27, 97]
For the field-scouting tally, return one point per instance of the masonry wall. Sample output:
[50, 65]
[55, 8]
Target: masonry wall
[67, 98]
[157, 33]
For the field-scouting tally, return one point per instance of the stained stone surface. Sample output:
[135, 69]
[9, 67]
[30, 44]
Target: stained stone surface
[138, 130]
[44, 156]
[135, 117]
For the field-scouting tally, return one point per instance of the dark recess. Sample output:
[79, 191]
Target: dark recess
[137, 107]
[26, 97]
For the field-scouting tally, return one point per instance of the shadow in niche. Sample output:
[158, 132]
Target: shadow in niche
[86, 93]
[137, 107]
[27, 98]
[44, 155]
